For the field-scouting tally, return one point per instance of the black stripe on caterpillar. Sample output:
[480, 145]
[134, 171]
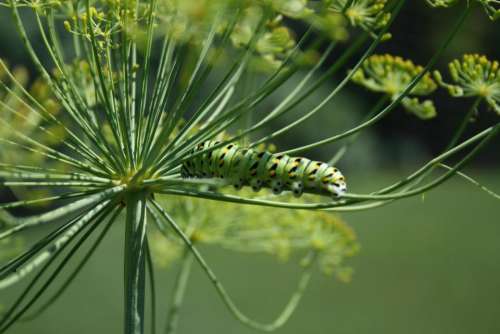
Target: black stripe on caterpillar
[257, 169]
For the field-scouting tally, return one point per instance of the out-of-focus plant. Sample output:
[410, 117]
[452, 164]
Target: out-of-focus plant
[320, 238]
[251, 229]
[17, 119]
[133, 111]
[391, 75]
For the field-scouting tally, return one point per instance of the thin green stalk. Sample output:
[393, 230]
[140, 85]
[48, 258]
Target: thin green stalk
[80, 107]
[74, 143]
[14, 264]
[145, 79]
[32, 176]
[193, 82]
[75, 273]
[26, 222]
[60, 243]
[117, 127]
[250, 201]
[434, 183]
[179, 292]
[16, 204]
[461, 128]
[471, 180]
[53, 154]
[5, 324]
[429, 165]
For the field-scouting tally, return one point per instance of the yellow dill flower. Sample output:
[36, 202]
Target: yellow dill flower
[391, 75]
[366, 14]
[474, 75]
[490, 6]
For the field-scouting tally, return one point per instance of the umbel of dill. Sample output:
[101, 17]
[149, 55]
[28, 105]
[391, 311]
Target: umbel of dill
[123, 104]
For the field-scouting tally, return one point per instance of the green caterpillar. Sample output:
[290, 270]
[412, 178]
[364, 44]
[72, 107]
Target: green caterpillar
[243, 166]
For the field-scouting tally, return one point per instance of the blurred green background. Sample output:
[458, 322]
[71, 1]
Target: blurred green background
[427, 265]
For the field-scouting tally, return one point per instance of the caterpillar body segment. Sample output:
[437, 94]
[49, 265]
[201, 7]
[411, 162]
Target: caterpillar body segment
[257, 169]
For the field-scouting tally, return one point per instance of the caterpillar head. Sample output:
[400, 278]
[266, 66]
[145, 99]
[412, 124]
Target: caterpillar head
[337, 185]
[338, 188]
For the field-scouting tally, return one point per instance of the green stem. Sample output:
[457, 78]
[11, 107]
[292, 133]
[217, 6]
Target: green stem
[179, 292]
[460, 130]
[429, 165]
[134, 264]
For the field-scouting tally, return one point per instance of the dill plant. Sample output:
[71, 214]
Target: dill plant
[126, 101]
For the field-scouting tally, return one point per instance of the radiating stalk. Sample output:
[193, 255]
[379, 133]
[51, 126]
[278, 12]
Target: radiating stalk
[60, 291]
[471, 180]
[26, 222]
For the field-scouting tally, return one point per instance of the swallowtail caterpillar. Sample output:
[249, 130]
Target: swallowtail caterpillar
[257, 169]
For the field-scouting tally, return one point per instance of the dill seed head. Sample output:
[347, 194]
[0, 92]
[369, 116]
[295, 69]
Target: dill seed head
[474, 76]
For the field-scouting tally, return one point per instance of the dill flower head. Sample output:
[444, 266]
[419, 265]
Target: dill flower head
[391, 75]
[273, 44]
[366, 14]
[17, 119]
[474, 75]
[331, 24]
[489, 6]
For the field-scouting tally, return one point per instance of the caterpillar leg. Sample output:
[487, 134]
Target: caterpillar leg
[238, 184]
[297, 189]
[256, 184]
[276, 186]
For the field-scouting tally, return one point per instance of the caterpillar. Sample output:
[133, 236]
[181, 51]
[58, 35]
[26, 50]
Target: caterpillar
[257, 169]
